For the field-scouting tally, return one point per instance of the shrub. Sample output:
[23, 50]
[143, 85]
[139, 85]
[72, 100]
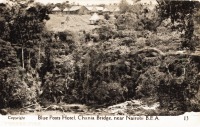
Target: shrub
[106, 16]
[58, 83]
[174, 84]
[14, 91]
[148, 85]
[153, 40]
[67, 36]
[108, 93]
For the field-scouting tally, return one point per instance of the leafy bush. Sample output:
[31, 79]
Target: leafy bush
[8, 55]
[59, 81]
[14, 91]
[148, 85]
[106, 16]
[108, 93]
[153, 40]
[174, 84]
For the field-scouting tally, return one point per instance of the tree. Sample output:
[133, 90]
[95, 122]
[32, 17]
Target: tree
[106, 16]
[8, 57]
[124, 6]
[26, 29]
[5, 18]
[181, 12]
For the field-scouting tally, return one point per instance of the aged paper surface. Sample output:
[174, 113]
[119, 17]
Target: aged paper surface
[99, 63]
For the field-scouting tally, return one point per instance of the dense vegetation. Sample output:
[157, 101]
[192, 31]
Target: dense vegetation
[130, 58]
[181, 14]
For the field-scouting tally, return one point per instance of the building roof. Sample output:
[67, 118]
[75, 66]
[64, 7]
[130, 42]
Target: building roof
[66, 9]
[116, 9]
[56, 9]
[99, 8]
[89, 8]
[75, 8]
[112, 8]
[94, 9]
[95, 17]
[106, 10]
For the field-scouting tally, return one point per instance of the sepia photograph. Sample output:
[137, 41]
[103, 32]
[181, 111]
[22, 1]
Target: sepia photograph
[104, 60]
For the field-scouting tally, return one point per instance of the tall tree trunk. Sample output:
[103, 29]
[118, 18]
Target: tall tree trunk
[39, 55]
[23, 57]
[29, 60]
[22, 76]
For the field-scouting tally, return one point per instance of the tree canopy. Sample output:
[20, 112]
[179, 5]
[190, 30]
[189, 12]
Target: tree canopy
[124, 6]
[183, 13]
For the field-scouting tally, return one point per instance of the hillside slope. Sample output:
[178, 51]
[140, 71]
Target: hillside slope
[74, 23]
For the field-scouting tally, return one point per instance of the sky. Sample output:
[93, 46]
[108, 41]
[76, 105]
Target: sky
[85, 2]
[2, 1]
[90, 2]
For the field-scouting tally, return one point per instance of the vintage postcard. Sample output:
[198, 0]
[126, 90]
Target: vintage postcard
[99, 63]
